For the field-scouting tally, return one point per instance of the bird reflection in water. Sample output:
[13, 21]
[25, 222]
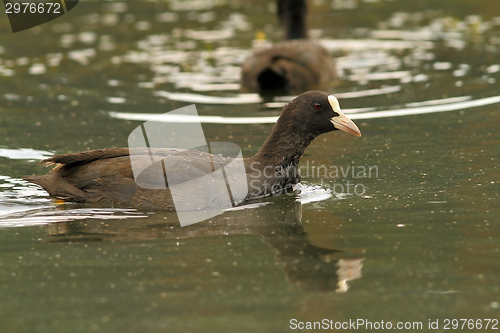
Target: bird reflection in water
[278, 223]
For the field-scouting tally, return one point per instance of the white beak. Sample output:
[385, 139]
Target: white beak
[341, 121]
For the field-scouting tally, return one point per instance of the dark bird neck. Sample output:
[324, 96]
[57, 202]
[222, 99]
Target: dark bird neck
[293, 17]
[285, 145]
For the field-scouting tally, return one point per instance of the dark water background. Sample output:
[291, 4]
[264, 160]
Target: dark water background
[418, 242]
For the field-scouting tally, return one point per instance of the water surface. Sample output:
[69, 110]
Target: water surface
[415, 239]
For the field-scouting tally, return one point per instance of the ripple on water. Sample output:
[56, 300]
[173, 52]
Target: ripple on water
[375, 60]
[49, 215]
[424, 107]
[402, 49]
[311, 193]
[25, 204]
[18, 195]
[24, 153]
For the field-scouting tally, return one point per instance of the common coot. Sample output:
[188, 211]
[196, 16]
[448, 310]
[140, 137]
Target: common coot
[106, 176]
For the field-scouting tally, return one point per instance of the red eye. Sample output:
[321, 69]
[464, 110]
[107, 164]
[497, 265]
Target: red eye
[317, 106]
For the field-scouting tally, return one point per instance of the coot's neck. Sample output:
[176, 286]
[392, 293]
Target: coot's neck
[293, 15]
[285, 145]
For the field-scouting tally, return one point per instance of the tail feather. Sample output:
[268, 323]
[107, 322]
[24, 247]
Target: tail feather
[86, 156]
[57, 187]
[38, 180]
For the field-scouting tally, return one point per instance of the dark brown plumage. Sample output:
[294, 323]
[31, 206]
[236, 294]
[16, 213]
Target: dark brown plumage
[106, 176]
[293, 65]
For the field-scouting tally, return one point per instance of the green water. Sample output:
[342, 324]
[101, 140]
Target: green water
[418, 242]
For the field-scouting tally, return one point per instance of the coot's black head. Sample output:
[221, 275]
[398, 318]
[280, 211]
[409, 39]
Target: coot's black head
[314, 113]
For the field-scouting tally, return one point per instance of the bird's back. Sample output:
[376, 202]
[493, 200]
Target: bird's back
[107, 176]
[290, 65]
